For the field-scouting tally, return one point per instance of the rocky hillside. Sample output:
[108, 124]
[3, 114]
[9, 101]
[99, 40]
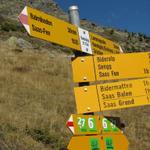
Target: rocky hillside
[36, 85]
[130, 42]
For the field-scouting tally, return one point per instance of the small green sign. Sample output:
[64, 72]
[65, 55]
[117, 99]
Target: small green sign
[94, 142]
[113, 126]
[109, 126]
[92, 124]
[109, 144]
[106, 125]
[82, 125]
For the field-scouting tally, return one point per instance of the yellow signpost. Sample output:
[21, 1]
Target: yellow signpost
[117, 95]
[93, 132]
[47, 27]
[124, 94]
[99, 142]
[111, 67]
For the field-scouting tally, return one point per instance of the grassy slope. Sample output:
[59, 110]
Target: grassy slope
[137, 122]
[36, 99]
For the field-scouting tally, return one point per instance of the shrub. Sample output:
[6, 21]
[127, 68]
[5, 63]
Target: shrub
[46, 137]
[9, 26]
[112, 31]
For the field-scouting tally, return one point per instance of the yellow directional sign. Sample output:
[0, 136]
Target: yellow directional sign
[89, 125]
[124, 94]
[111, 67]
[101, 45]
[117, 95]
[47, 27]
[99, 142]
[121, 66]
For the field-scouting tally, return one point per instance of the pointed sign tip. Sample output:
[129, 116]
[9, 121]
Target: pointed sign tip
[24, 11]
[70, 124]
[23, 17]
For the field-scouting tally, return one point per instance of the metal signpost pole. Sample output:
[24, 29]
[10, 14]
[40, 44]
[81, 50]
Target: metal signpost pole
[74, 15]
[74, 18]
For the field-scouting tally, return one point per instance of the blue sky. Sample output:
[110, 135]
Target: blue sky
[133, 15]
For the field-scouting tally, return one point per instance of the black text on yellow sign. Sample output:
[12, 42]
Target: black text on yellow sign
[47, 27]
[101, 45]
[52, 29]
[111, 67]
[111, 96]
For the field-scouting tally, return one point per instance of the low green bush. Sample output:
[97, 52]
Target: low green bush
[11, 25]
[48, 138]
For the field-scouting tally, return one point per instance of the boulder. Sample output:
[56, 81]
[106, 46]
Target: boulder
[15, 43]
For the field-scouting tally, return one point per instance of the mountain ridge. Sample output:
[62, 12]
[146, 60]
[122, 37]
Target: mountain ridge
[129, 41]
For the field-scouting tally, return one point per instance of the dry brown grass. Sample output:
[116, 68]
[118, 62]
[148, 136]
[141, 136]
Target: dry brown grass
[36, 99]
[137, 122]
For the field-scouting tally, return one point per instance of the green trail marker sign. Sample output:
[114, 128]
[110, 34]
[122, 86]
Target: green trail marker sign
[91, 124]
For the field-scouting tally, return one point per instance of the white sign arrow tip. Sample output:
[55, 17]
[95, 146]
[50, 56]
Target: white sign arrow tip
[23, 17]
[70, 124]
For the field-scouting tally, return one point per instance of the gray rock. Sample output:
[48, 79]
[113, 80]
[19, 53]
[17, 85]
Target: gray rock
[18, 43]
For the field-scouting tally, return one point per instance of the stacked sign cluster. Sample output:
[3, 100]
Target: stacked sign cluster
[92, 132]
[103, 63]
